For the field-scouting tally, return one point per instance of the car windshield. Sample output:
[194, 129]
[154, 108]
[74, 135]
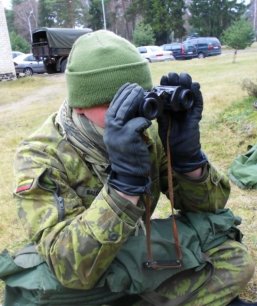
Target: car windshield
[176, 46]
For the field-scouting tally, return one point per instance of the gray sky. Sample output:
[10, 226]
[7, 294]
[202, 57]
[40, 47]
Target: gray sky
[7, 3]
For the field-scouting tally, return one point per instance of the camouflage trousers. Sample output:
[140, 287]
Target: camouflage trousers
[233, 269]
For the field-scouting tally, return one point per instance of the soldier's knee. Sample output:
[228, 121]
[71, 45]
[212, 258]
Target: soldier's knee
[233, 260]
[245, 264]
[247, 269]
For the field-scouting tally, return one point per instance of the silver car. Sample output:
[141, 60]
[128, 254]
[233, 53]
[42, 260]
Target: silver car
[28, 65]
[155, 54]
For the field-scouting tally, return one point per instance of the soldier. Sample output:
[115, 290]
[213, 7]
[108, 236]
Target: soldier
[84, 177]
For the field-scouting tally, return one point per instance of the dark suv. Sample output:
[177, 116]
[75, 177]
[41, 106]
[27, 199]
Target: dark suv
[205, 46]
[184, 50]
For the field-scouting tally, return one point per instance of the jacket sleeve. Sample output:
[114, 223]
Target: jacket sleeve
[205, 194]
[78, 242]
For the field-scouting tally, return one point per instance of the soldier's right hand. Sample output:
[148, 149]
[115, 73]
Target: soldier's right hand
[123, 137]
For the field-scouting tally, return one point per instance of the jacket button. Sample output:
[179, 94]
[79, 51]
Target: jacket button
[113, 236]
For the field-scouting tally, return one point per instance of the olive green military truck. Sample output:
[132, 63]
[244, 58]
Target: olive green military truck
[53, 45]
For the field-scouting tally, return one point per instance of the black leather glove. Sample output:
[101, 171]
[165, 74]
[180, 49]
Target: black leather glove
[184, 137]
[128, 152]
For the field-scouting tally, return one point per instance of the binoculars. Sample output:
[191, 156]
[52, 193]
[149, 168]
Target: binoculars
[165, 98]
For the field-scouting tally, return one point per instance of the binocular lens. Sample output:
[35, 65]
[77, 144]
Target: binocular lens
[186, 99]
[151, 108]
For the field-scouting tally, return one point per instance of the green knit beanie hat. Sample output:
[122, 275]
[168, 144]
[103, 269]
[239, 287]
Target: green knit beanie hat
[99, 64]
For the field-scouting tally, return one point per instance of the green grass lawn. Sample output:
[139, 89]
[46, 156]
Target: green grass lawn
[228, 126]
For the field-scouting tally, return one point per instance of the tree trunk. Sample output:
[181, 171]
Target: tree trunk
[234, 57]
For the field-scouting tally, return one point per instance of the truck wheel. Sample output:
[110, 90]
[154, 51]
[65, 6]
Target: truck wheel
[50, 69]
[63, 65]
[201, 55]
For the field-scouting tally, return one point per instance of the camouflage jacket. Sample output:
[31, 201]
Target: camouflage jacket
[78, 223]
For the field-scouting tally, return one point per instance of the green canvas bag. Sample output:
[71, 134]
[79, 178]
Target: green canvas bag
[243, 170]
[29, 281]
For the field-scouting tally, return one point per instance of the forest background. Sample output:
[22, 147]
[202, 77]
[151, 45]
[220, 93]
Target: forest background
[163, 20]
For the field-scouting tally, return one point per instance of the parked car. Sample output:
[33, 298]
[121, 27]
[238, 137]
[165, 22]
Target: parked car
[155, 54]
[206, 46]
[16, 53]
[184, 50]
[28, 65]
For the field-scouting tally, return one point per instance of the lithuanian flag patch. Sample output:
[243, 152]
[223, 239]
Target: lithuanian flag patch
[25, 185]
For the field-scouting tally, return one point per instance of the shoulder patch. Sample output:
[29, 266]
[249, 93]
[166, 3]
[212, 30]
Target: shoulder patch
[26, 185]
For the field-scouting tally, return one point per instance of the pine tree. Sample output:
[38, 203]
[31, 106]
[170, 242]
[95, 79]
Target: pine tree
[95, 15]
[62, 13]
[164, 16]
[238, 36]
[211, 17]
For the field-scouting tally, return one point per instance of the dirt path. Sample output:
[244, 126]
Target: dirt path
[56, 87]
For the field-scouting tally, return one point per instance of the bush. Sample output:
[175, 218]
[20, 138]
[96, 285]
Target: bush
[19, 43]
[238, 36]
[143, 35]
[250, 87]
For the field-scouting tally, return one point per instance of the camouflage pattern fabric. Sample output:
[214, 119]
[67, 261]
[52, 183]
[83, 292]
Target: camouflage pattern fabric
[233, 269]
[78, 224]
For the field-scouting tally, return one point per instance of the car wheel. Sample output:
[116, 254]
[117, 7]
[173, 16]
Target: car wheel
[200, 55]
[149, 60]
[28, 71]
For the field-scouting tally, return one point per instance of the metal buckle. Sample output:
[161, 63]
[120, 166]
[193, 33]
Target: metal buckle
[163, 264]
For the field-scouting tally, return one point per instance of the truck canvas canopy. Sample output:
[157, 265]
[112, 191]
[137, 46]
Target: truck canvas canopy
[58, 37]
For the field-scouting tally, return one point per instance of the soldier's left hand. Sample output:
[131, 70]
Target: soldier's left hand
[184, 137]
